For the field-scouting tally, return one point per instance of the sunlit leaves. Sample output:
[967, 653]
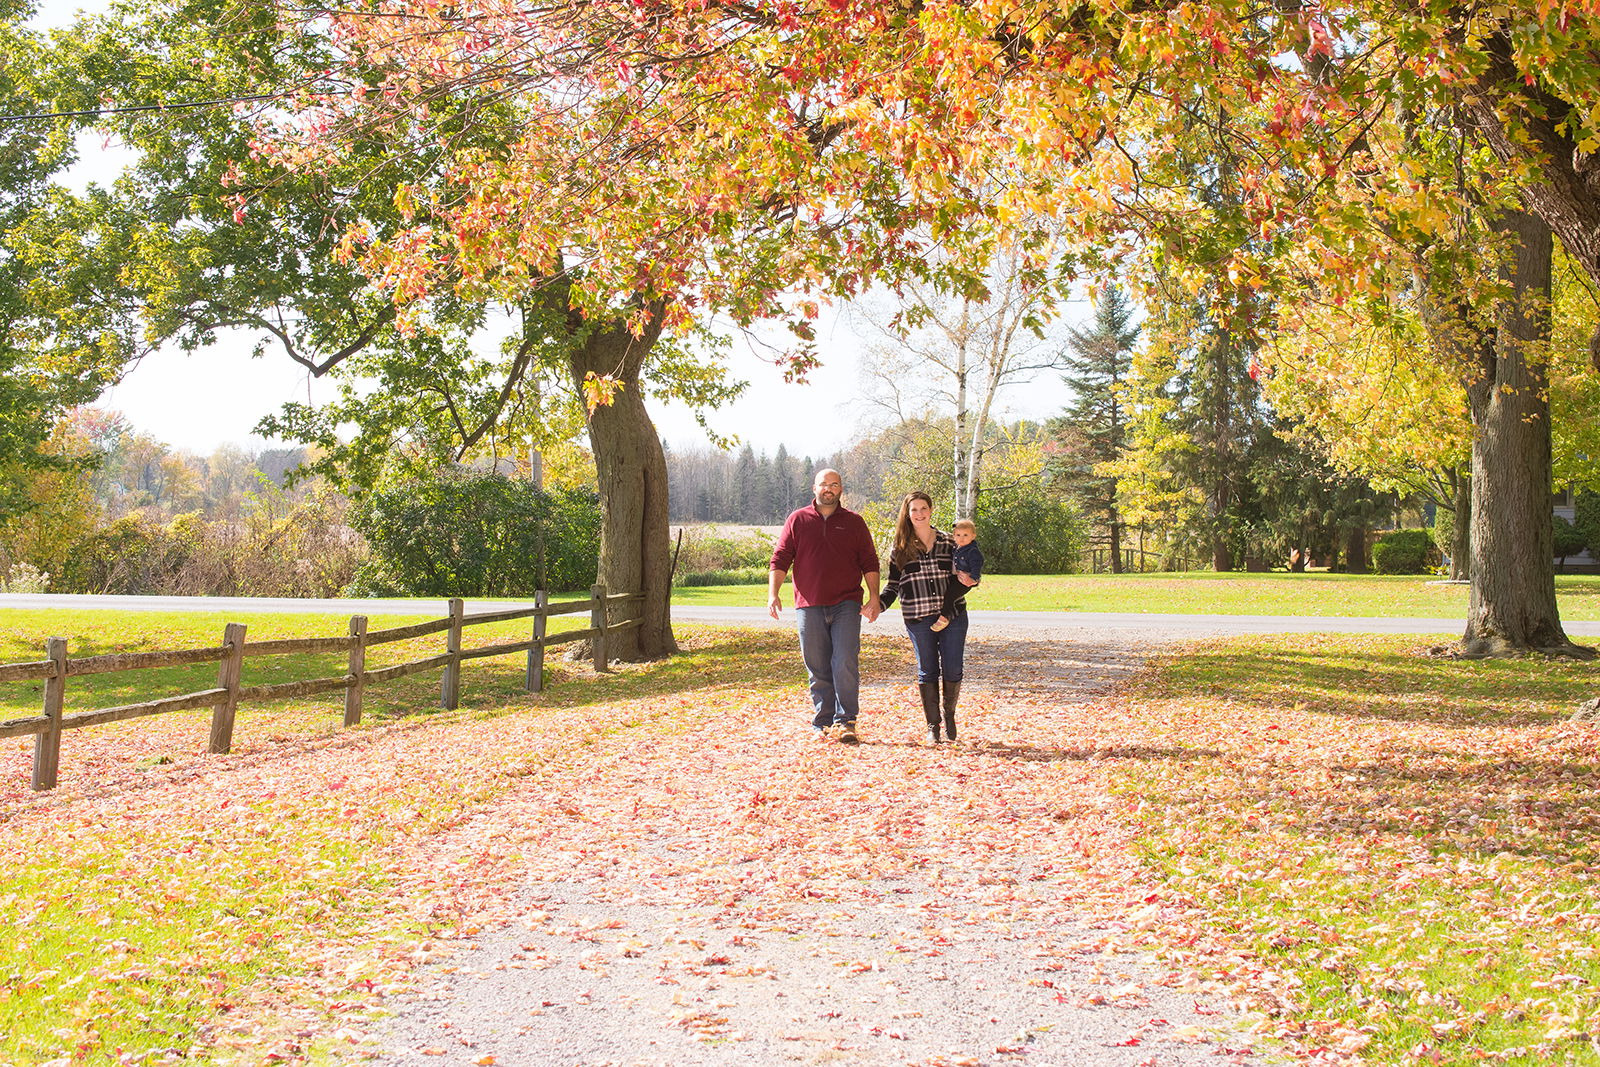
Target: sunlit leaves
[1402, 838]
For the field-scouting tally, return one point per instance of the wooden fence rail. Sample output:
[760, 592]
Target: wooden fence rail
[224, 698]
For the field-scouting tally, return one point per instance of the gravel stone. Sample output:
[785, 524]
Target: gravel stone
[622, 970]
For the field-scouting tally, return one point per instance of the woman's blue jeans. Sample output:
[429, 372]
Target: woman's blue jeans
[830, 642]
[941, 654]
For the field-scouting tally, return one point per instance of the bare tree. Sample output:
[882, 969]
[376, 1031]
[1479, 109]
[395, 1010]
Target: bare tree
[957, 352]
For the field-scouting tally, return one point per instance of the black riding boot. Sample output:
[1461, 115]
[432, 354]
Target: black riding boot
[930, 708]
[952, 693]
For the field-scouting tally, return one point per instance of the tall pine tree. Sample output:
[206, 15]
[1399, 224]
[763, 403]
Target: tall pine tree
[1093, 431]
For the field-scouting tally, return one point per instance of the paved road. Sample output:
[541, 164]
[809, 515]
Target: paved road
[1080, 622]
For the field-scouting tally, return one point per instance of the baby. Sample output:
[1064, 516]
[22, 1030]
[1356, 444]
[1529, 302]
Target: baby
[968, 560]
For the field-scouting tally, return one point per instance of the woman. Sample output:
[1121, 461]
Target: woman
[919, 571]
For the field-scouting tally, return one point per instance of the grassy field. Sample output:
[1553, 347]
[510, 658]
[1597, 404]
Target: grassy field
[1201, 592]
[92, 633]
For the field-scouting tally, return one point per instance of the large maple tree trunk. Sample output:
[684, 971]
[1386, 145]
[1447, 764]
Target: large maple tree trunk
[635, 553]
[1512, 607]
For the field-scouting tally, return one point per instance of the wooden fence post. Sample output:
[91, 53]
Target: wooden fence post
[535, 681]
[358, 667]
[47, 742]
[450, 689]
[228, 673]
[597, 621]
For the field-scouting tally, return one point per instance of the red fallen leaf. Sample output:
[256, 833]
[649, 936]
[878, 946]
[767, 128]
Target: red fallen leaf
[1127, 1042]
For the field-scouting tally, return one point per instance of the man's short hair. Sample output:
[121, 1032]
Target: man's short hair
[964, 524]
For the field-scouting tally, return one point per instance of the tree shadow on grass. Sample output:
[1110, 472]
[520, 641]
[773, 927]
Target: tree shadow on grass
[1571, 586]
[711, 659]
[1060, 670]
[1530, 792]
[1544, 809]
[1382, 684]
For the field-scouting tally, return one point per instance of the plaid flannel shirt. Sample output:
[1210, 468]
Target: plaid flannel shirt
[920, 584]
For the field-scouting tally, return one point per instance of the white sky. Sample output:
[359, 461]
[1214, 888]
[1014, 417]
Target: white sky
[198, 402]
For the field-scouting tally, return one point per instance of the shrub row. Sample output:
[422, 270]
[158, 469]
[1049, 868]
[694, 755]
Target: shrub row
[1405, 552]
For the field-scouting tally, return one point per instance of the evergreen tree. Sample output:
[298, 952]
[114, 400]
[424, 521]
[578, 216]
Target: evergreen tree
[1093, 431]
[785, 487]
[746, 490]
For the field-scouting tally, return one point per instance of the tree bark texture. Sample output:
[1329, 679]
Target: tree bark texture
[1356, 558]
[1512, 607]
[1220, 494]
[635, 549]
[1461, 532]
[961, 458]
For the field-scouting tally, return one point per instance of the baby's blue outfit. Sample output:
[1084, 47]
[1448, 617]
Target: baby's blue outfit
[968, 558]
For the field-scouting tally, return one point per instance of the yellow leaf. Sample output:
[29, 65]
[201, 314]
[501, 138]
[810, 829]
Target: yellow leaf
[600, 390]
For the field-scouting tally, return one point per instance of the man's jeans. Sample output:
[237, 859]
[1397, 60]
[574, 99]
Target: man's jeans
[830, 642]
[942, 653]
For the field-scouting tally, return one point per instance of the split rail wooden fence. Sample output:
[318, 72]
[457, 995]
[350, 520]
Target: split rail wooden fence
[225, 697]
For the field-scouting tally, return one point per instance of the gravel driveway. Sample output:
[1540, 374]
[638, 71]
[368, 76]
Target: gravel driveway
[749, 938]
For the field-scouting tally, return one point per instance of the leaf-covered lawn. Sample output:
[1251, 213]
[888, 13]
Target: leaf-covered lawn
[97, 632]
[1394, 855]
[247, 901]
[1410, 843]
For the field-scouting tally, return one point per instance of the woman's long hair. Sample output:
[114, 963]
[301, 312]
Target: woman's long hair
[907, 546]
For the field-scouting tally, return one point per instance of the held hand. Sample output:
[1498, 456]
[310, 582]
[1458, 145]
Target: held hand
[872, 609]
[774, 605]
[966, 579]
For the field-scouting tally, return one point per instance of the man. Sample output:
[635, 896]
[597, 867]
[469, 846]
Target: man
[832, 553]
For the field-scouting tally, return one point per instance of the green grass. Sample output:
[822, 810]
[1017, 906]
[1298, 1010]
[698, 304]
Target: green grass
[93, 632]
[1201, 592]
[145, 945]
[1411, 841]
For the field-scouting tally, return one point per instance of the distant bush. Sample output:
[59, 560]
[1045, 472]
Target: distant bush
[723, 548]
[281, 548]
[1022, 531]
[1567, 539]
[1404, 552]
[1443, 530]
[737, 576]
[471, 533]
[24, 578]
[133, 555]
[1587, 521]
